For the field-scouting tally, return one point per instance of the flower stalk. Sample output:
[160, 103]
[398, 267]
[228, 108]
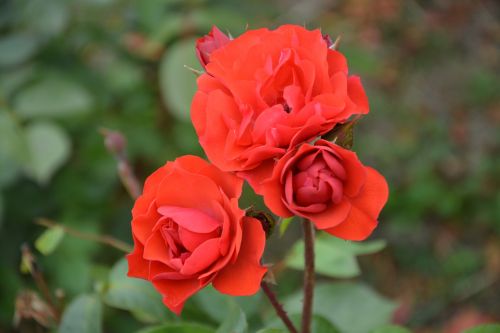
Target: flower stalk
[278, 307]
[307, 306]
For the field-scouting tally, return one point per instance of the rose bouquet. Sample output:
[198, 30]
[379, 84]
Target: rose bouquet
[274, 108]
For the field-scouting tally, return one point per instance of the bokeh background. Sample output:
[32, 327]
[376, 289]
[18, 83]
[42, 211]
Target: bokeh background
[430, 69]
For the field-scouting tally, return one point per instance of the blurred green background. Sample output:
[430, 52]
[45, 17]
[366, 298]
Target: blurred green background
[430, 69]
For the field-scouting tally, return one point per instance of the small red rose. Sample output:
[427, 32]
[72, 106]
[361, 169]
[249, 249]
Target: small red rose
[188, 232]
[268, 91]
[328, 185]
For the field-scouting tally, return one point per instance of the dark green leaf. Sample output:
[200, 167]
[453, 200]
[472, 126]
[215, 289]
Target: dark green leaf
[82, 315]
[48, 241]
[342, 134]
[49, 148]
[135, 295]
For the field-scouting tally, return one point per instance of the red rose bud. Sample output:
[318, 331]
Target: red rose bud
[209, 43]
[328, 185]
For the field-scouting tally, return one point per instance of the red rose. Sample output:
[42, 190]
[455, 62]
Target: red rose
[267, 91]
[188, 232]
[209, 43]
[328, 185]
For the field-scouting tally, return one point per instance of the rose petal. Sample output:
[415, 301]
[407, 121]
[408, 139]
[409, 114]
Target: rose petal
[190, 218]
[202, 257]
[244, 276]
[357, 226]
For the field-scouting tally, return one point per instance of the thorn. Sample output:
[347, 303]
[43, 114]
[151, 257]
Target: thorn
[194, 71]
[335, 45]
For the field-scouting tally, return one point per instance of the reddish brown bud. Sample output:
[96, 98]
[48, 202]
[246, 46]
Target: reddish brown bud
[209, 43]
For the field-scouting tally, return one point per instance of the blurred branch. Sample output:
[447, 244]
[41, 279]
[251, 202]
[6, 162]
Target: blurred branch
[115, 142]
[278, 307]
[29, 260]
[103, 239]
[307, 306]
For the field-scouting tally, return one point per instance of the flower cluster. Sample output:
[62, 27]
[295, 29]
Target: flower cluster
[264, 104]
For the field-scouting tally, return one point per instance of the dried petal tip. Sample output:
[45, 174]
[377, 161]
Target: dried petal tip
[209, 43]
[266, 220]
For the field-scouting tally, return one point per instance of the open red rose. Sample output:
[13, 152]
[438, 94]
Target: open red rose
[188, 232]
[267, 91]
[328, 185]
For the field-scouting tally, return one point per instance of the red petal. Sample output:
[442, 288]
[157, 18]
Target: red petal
[357, 226]
[374, 195]
[243, 278]
[176, 292]
[137, 266]
[202, 257]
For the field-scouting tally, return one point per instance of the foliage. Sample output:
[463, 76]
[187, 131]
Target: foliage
[68, 69]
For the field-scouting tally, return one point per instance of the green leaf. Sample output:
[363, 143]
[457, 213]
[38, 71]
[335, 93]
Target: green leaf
[49, 148]
[235, 322]
[17, 48]
[342, 134]
[13, 148]
[1, 209]
[486, 328]
[285, 223]
[52, 96]
[352, 308]
[48, 241]
[178, 328]
[272, 330]
[391, 329]
[217, 305]
[134, 295]
[82, 315]
[177, 83]
[334, 257]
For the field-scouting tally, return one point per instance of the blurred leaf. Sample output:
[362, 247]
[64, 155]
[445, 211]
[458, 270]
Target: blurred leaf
[13, 148]
[49, 148]
[486, 328]
[391, 329]
[177, 83]
[319, 324]
[235, 322]
[46, 17]
[342, 134]
[48, 241]
[178, 328]
[272, 330]
[217, 305]
[14, 78]
[82, 315]
[17, 48]
[334, 257]
[285, 223]
[352, 308]
[134, 295]
[52, 96]
[1, 209]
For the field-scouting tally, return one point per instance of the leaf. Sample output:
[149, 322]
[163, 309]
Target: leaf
[49, 148]
[319, 324]
[272, 330]
[53, 96]
[352, 308]
[391, 329]
[235, 322]
[178, 328]
[13, 149]
[134, 295]
[285, 223]
[178, 84]
[217, 305]
[48, 241]
[334, 257]
[17, 48]
[1, 209]
[486, 328]
[342, 134]
[82, 315]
